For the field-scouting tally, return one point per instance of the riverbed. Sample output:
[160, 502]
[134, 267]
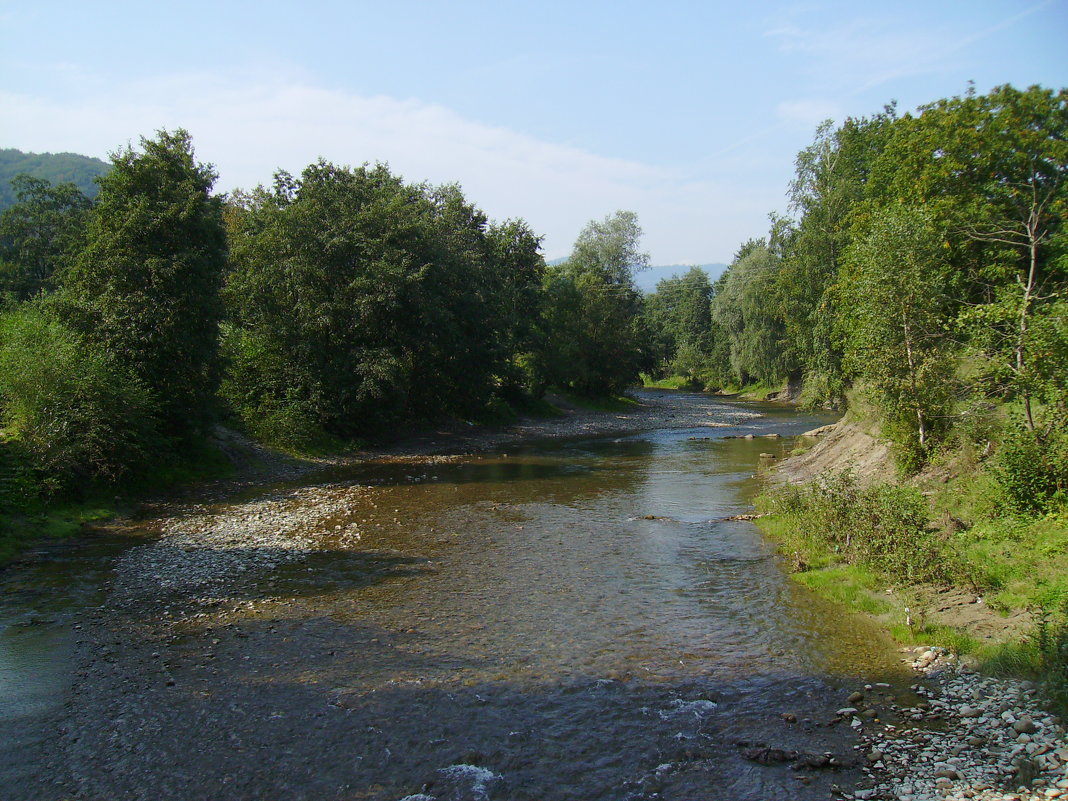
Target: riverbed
[557, 618]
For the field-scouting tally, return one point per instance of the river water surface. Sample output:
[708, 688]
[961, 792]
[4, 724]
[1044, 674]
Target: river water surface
[565, 620]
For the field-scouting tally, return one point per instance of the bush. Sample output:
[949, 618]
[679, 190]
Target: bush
[1033, 472]
[881, 525]
[72, 407]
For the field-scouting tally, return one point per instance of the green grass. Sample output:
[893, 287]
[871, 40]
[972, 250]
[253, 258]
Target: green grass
[671, 382]
[850, 585]
[1016, 563]
[23, 528]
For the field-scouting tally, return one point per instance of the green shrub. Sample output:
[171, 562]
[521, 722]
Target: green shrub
[881, 525]
[73, 408]
[1033, 471]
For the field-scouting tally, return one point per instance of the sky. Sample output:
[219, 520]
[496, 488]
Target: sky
[688, 113]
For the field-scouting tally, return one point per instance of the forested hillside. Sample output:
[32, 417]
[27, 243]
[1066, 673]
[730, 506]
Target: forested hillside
[56, 168]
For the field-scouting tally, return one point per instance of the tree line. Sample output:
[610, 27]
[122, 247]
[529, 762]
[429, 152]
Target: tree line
[336, 304]
[923, 271]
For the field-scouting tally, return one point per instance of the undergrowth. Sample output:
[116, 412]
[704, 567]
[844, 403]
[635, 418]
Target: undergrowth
[873, 547]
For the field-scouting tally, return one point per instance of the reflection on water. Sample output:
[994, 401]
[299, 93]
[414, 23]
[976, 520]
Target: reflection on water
[568, 620]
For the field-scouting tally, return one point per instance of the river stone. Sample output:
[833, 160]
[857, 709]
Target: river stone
[846, 711]
[856, 698]
[1025, 726]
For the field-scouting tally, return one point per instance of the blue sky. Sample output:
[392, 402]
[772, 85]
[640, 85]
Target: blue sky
[689, 113]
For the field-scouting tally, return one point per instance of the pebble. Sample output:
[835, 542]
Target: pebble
[973, 737]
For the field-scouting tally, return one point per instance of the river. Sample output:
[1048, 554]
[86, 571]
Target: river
[562, 619]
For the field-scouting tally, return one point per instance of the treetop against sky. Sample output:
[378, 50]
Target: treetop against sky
[689, 113]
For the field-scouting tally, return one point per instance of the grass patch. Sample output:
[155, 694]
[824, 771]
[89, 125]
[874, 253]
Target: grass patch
[850, 585]
[672, 382]
[20, 529]
[1018, 563]
[34, 508]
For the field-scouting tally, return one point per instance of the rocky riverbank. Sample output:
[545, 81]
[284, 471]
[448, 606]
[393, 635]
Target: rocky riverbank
[969, 737]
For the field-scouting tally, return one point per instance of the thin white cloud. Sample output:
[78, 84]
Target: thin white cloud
[865, 52]
[248, 126]
[860, 51]
[808, 113]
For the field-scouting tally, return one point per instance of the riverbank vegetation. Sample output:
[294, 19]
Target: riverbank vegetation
[340, 305]
[920, 280]
[922, 285]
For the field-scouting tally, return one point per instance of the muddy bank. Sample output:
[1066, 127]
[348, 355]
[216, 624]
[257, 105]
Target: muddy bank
[834, 448]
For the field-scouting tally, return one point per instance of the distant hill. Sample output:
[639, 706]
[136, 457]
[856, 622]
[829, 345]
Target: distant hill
[54, 167]
[648, 279]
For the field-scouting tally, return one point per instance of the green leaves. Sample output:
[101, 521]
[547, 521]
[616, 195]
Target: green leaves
[359, 301]
[76, 408]
[595, 342]
[894, 325]
[146, 285]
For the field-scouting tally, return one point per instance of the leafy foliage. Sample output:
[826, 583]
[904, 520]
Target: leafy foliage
[146, 285]
[592, 310]
[742, 310]
[39, 236]
[52, 168]
[893, 322]
[75, 408]
[882, 526]
[360, 301]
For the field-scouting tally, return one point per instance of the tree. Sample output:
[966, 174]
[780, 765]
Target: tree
[515, 253]
[145, 288]
[992, 168]
[895, 326]
[75, 409]
[611, 249]
[680, 321]
[592, 308]
[742, 309]
[359, 301]
[40, 235]
[830, 181]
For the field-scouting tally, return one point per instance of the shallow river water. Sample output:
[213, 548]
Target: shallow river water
[565, 620]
